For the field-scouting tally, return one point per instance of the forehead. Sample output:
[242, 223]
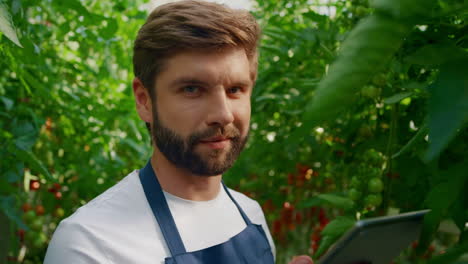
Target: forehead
[211, 66]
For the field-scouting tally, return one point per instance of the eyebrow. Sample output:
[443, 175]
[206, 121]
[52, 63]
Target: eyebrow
[187, 80]
[194, 81]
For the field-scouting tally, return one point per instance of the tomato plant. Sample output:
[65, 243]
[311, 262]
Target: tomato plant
[359, 110]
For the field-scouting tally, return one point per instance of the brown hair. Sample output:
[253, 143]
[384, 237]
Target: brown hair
[191, 25]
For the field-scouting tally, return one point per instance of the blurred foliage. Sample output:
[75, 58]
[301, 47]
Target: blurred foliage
[360, 110]
[67, 110]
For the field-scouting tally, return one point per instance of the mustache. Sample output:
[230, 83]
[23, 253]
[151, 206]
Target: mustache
[229, 132]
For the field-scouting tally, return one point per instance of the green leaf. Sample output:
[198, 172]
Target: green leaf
[73, 5]
[416, 138]
[7, 205]
[314, 201]
[436, 54]
[457, 213]
[25, 134]
[325, 243]
[7, 102]
[34, 163]
[440, 199]
[405, 9]
[12, 176]
[315, 17]
[6, 188]
[327, 199]
[430, 225]
[442, 196]
[367, 49]
[6, 25]
[109, 31]
[397, 97]
[336, 200]
[26, 142]
[137, 147]
[448, 106]
[338, 226]
[276, 34]
[452, 254]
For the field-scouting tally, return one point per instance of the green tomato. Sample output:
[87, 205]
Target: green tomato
[355, 182]
[29, 216]
[40, 240]
[373, 156]
[373, 200]
[361, 11]
[375, 185]
[354, 194]
[365, 132]
[59, 212]
[380, 80]
[36, 224]
[374, 172]
[30, 236]
[370, 91]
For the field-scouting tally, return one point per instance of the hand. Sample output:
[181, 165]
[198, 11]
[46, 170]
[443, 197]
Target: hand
[302, 260]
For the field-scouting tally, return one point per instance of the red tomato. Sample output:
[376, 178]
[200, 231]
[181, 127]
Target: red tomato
[58, 195]
[34, 185]
[40, 210]
[26, 207]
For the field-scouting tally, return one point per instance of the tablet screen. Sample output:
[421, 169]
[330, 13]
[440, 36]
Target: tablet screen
[376, 240]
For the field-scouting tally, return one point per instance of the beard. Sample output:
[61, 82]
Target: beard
[181, 151]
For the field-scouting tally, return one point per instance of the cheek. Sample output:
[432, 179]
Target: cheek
[182, 117]
[243, 116]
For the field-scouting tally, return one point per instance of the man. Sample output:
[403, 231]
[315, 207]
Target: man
[195, 65]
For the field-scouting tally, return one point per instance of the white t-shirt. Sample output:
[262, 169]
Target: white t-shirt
[118, 226]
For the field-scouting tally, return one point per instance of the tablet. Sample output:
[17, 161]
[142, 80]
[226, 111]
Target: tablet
[376, 240]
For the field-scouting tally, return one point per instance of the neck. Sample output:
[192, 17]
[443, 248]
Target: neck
[183, 183]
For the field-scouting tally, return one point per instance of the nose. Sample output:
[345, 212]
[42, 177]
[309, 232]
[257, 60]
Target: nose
[220, 112]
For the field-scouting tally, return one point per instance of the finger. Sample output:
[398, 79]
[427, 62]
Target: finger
[302, 260]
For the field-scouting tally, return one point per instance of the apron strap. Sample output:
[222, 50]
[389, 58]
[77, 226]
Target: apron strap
[155, 196]
[160, 209]
[246, 219]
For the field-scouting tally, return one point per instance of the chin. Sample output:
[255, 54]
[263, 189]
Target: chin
[213, 168]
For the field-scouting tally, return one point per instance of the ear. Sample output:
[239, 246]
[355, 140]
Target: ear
[143, 101]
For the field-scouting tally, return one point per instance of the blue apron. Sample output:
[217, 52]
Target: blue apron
[249, 246]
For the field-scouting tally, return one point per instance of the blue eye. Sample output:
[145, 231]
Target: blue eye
[191, 89]
[234, 90]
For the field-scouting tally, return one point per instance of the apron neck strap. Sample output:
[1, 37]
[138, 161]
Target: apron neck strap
[155, 196]
[160, 208]
[246, 219]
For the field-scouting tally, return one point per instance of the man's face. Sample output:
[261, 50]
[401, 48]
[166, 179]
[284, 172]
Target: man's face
[202, 111]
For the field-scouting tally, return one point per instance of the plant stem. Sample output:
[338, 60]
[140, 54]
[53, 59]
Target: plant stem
[391, 142]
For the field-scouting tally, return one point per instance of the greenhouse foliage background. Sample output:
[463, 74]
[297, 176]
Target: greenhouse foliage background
[360, 110]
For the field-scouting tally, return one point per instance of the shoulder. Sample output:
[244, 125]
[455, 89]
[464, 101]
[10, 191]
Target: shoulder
[106, 228]
[112, 206]
[82, 236]
[74, 241]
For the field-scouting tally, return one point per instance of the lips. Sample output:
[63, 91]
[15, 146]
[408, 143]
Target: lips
[218, 142]
[214, 139]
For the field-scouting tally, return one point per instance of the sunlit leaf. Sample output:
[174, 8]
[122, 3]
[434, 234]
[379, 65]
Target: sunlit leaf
[397, 97]
[6, 25]
[366, 50]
